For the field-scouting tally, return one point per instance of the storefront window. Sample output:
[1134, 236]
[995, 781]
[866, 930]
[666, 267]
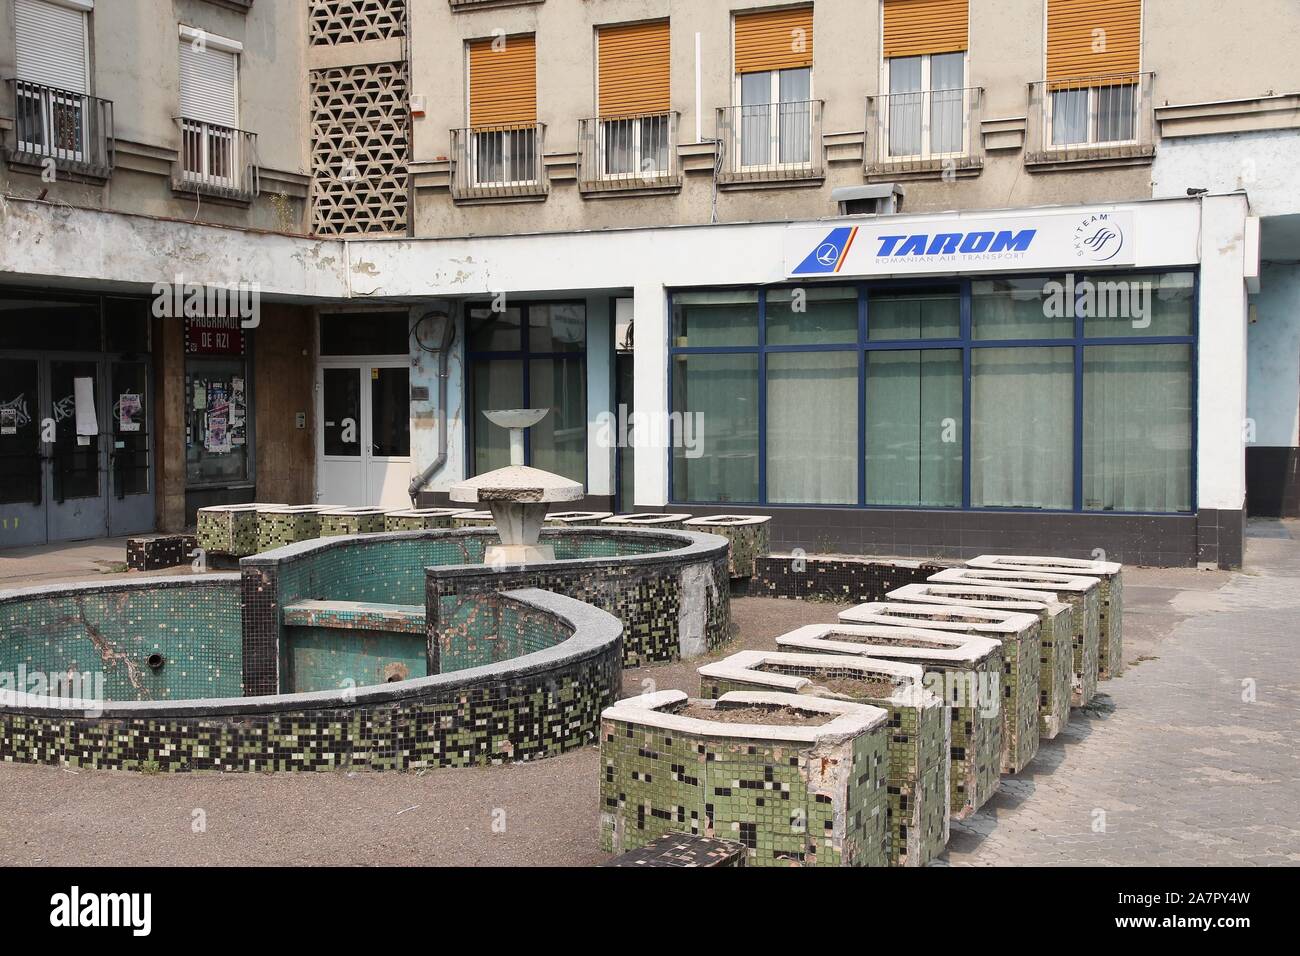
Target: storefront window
[716, 398]
[812, 416]
[816, 316]
[914, 422]
[927, 313]
[217, 404]
[1138, 306]
[722, 318]
[1029, 308]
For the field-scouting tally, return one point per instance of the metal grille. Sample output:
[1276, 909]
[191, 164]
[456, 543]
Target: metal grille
[1090, 117]
[929, 130]
[770, 142]
[637, 151]
[497, 161]
[74, 130]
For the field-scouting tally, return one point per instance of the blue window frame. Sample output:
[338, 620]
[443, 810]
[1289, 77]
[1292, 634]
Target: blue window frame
[1113, 401]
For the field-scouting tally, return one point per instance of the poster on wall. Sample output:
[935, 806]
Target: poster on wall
[8, 421]
[130, 410]
[83, 390]
[216, 431]
[237, 421]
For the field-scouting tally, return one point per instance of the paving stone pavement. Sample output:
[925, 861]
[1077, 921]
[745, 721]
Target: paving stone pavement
[1173, 764]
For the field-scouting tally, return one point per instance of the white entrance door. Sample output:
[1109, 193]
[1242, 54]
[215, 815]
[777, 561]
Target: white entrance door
[363, 448]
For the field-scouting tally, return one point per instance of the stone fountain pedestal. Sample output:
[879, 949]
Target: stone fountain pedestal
[517, 495]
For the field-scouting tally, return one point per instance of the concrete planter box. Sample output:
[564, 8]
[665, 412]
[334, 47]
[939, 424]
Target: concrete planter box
[230, 529]
[919, 730]
[420, 519]
[1021, 639]
[1056, 622]
[277, 527]
[574, 519]
[1110, 650]
[794, 794]
[474, 519]
[960, 665]
[351, 521]
[749, 536]
[1082, 594]
[659, 521]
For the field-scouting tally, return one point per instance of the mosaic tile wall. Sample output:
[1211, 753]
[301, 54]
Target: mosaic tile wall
[1110, 620]
[754, 792]
[918, 746]
[194, 624]
[843, 580]
[477, 629]
[276, 529]
[328, 658]
[746, 543]
[227, 532]
[684, 850]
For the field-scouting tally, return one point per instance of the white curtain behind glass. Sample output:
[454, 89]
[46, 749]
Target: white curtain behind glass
[812, 427]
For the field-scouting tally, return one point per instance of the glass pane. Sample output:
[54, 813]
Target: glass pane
[914, 415]
[76, 457]
[1138, 305]
[756, 119]
[815, 316]
[126, 325]
[812, 416]
[715, 453]
[794, 115]
[947, 71]
[558, 443]
[715, 318]
[64, 325]
[364, 333]
[1115, 116]
[390, 412]
[561, 327]
[620, 146]
[342, 425]
[1069, 117]
[20, 432]
[1031, 308]
[654, 144]
[932, 313]
[905, 106]
[497, 384]
[217, 405]
[1137, 428]
[130, 426]
[626, 452]
[489, 331]
[1022, 415]
[947, 103]
[904, 74]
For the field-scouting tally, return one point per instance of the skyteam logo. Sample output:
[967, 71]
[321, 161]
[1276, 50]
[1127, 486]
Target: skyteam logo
[828, 256]
[1098, 238]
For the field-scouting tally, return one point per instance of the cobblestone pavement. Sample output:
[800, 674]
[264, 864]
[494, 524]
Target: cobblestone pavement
[1174, 763]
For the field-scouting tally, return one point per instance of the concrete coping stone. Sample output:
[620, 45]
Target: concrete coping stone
[978, 595]
[562, 517]
[476, 515]
[335, 512]
[745, 666]
[592, 631]
[294, 510]
[928, 616]
[1041, 580]
[954, 649]
[1036, 562]
[236, 509]
[727, 521]
[849, 717]
[427, 512]
[648, 518]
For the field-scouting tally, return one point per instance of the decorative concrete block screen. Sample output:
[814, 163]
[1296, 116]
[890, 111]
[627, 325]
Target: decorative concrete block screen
[750, 537]
[351, 521]
[575, 519]
[277, 527]
[473, 519]
[156, 639]
[659, 521]
[1056, 622]
[844, 580]
[1021, 639]
[420, 519]
[537, 705]
[1110, 650]
[684, 850]
[798, 780]
[1081, 593]
[919, 730]
[670, 589]
[966, 669]
[230, 529]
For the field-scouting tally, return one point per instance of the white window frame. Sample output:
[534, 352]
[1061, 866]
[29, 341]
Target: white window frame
[637, 147]
[1094, 114]
[207, 132]
[507, 135]
[75, 99]
[926, 93]
[774, 121]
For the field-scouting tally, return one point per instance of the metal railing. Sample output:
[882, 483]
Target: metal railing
[498, 161]
[74, 130]
[924, 131]
[635, 151]
[216, 160]
[1108, 116]
[770, 142]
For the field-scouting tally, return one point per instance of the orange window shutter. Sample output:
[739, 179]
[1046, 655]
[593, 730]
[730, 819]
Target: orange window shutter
[633, 69]
[1093, 38]
[503, 81]
[916, 27]
[774, 40]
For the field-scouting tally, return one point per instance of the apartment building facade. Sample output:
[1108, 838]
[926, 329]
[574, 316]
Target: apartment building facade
[855, 263]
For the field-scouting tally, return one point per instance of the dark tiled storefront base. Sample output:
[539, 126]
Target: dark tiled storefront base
[1272, 482]
[1213, 537]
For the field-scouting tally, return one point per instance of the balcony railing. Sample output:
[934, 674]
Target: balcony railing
[923, 132]
[498, 162]
[770, 142]
[72, 129]
[636, 151]
[216, 161]
[1106, 117]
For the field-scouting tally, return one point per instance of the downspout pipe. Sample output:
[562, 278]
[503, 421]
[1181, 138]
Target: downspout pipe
[444, 349]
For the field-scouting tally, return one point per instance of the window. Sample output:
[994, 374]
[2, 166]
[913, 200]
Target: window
[531, 355]
[927, 108]
[777, 116]
[1093, 114]
[632, 91]
[1093, 63]
[503, 112]
[984, 393]
[211, 145]
[52, 66]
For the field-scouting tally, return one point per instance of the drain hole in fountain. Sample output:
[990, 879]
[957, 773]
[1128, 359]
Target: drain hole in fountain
[156, 661]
